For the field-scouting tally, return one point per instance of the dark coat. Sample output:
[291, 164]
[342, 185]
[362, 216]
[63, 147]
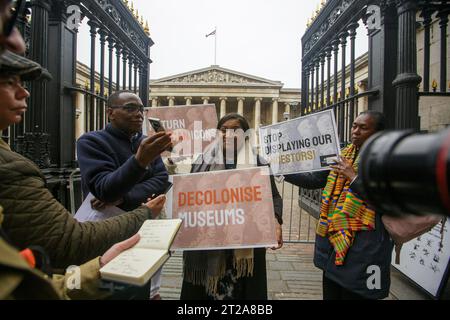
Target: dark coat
[370, 248]
[110, 171]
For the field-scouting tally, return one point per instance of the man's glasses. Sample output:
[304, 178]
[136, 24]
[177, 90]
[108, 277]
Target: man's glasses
[17, 8]
[130, 108]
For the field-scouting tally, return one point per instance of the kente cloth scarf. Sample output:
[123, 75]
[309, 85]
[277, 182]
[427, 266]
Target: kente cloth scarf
[343, 213]
[207, 267]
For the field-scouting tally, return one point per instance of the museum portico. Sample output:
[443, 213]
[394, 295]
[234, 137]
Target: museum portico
[260, 100]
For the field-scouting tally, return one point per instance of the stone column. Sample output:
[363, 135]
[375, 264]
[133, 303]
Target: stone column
[363, 102]
[257, 112]
[155, 102]
[188, 100]
[257, 117]
[171, 101]
[205, 100]
[241, 106]
[223, 106]
[79, 115]
[275, 111]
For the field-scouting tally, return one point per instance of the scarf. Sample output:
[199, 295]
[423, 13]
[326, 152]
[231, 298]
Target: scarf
[343, 213]
[207, 267]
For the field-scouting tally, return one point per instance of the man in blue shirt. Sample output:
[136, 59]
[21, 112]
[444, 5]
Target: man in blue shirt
[119, 165]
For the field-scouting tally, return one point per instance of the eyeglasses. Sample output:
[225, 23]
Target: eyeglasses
[17, 8]
[130, 108]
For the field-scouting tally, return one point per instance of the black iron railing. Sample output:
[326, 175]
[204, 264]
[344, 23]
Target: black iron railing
[392, 77]
[94, 108]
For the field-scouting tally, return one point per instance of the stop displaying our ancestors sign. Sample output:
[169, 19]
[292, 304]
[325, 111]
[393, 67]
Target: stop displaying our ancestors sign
[305, 144]
[226, 209]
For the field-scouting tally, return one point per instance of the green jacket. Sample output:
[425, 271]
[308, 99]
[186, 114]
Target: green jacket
[19, 281]
[34, 217]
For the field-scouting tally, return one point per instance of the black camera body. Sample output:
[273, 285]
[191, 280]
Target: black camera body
[403, 172]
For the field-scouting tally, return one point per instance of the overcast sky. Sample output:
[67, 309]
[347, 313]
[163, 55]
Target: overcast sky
[258, 37]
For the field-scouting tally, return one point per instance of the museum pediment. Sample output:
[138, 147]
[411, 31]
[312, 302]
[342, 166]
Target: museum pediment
[215, 76]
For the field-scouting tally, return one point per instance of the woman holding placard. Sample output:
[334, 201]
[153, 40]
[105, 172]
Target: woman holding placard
[232, 273]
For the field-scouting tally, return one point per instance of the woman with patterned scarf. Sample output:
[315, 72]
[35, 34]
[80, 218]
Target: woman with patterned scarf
[229, 274]
[352, 246]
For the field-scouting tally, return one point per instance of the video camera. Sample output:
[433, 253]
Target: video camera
[404, 172]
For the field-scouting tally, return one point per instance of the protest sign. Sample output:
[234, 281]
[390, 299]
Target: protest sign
[304, 144]
[225, 209]
[193, 127]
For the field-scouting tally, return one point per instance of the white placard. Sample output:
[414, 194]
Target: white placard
[424, 261]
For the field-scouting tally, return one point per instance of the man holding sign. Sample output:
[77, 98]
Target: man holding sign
[119, 165]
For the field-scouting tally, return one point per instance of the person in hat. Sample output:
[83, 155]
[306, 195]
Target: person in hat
[19, 277]
[15, 69]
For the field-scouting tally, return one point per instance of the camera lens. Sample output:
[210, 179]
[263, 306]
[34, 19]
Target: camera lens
[403, 172]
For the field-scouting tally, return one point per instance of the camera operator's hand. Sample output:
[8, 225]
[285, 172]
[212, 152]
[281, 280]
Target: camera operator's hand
[156, 205]
[151, 147]
[344, 167]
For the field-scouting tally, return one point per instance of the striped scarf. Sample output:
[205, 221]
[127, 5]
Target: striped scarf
[343, 213]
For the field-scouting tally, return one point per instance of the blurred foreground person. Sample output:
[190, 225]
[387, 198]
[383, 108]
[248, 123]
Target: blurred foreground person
[19, 276]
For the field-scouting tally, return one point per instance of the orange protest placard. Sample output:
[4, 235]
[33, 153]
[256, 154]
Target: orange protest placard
[193, 127]
[225, 209]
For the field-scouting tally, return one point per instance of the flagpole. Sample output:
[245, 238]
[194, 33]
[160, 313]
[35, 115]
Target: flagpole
[215, 47]
[214, 33]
